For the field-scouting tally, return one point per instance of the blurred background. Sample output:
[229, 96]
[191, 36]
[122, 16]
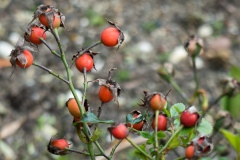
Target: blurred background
[32, 102]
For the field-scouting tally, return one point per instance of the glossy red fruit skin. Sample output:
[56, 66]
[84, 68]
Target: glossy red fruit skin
[162, 123]
[105, 94]
[84, 61]
[188, 119]
[137, 126]
[73, 108]
[157, 102]
[120, 131]
[60, 144]
[36, 33]
[109, 36]
[189, 153]
[29, 57]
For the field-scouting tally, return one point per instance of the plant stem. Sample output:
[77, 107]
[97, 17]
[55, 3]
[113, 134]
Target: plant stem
[51, 72]
[195, 73]
[52, 51]
[156, 145]
[171, 138]
[179, 90]
[81, 108]
[114, 148]
[138, 148]
[101, 150]
[83, 153]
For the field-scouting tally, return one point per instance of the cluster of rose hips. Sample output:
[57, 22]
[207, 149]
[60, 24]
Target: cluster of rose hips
[47, 19]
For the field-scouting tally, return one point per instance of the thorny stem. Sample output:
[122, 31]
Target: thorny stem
[114, 149]
[52, 51]
[171, 138]
[99, 113]
[101, 150]
[51, 72]
[179, 90]
[138, 148]
[156, 145]
[85, 84]
[85, 50]
[195, 73]
[195, 76]
[83, 153]
[81, 108]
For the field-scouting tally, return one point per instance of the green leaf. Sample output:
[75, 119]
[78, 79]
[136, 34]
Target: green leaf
[151, 139]
[205, 127]
[234, 72]
[174, 143]
[137, 120]
[176, 123]
[161, 135]
[89, 117]
[233, 139]
[231, 104]
[129, 118]
[145, 134]
[176, 109]
[185, 141]
[186, 131]
[96, 135]
[139, 154]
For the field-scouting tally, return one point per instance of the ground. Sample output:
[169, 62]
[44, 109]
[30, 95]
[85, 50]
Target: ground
[33, 101]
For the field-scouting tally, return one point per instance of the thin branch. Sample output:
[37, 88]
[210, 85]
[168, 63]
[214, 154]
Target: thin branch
[138, 148]
[114, 148]
[52, 51]
[171, 138]
[50, 72]
[83, 153]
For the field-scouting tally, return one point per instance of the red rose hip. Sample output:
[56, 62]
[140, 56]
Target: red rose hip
[119, 132]
[158, 102]
[105, 94]
[28, 60]
[162, 123]
[84, 61]
[110, 36]
[189, 117]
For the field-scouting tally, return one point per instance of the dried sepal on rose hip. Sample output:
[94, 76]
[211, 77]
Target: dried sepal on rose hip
[230, 86]
[21, 55]
[109, 89]
[34, 32]
[189, 117]
[155, 100]
[119, 131]
[200, 146]
[135, 120]
[194, 46]
[57, 146]
[49, 16]
[112, 36]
